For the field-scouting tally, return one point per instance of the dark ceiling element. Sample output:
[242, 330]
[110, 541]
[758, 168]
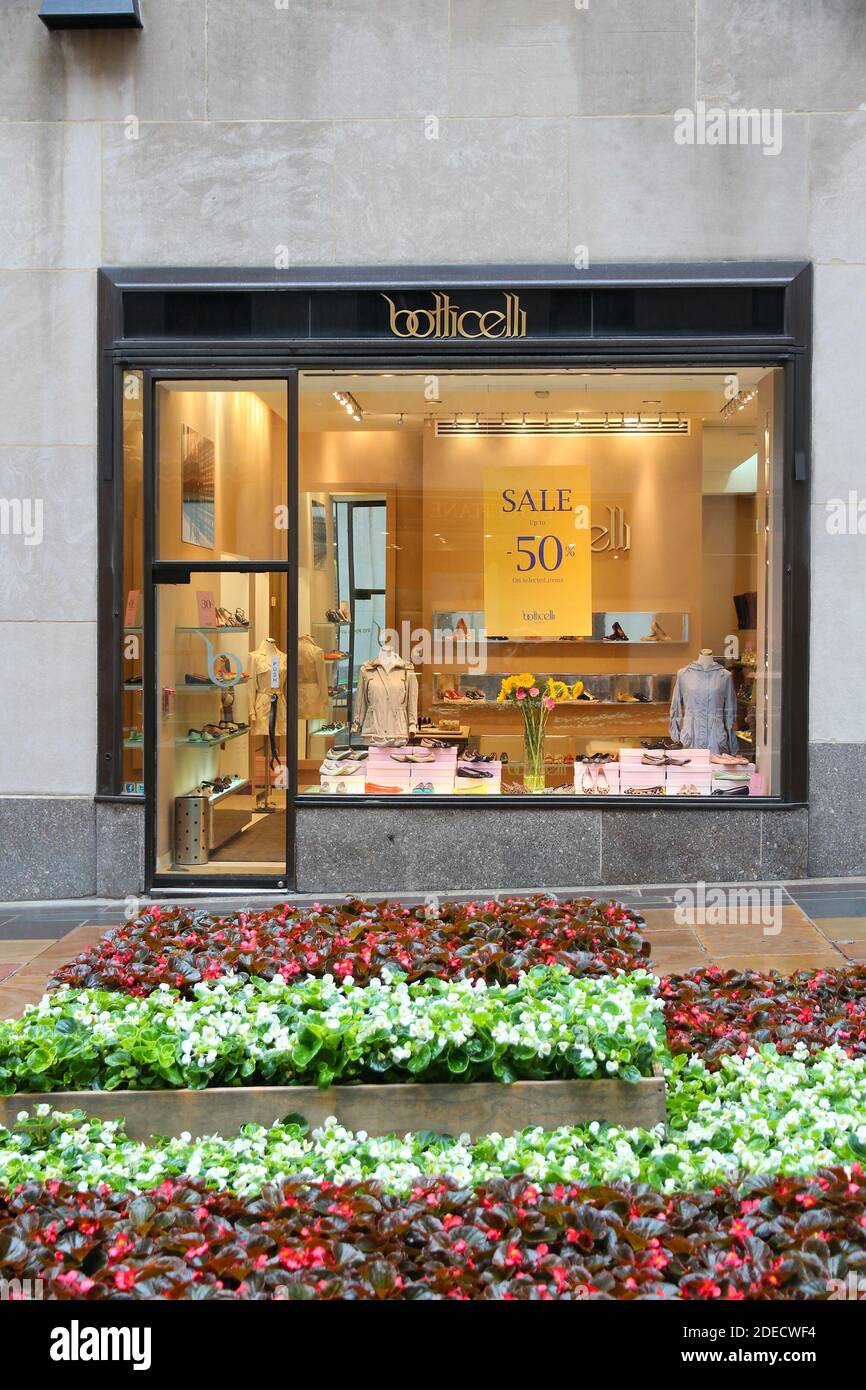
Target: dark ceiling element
[91, 14]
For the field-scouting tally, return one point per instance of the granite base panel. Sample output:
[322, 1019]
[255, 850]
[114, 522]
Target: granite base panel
[437, 850]
[47, 848]
[68, 847]
[837, 824]
[474, 1108]
[119, 850]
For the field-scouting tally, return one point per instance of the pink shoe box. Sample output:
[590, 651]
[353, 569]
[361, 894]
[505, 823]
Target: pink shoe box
[480, 785]
[381, 757]
[679, 777]
[698, 758]
[442, 776]
[469, 786]
[641, 777]
[345, 786]
[611, 772]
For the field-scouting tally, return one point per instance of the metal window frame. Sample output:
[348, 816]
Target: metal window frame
[790, 350]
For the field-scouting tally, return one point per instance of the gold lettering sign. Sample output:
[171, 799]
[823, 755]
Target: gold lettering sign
[447, 320]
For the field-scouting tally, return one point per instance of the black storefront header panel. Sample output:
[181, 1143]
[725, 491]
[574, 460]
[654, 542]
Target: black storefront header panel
[459, 314]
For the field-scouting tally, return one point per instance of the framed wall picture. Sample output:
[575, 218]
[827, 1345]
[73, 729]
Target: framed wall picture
[198, 499]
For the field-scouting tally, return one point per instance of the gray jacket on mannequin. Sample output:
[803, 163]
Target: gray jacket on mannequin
[386, 706]
[704, 708]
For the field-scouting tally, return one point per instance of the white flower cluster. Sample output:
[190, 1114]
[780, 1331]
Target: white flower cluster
[318, 1030]
[759, 1114]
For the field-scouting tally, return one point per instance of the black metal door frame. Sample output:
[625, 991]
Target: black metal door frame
[158, 572]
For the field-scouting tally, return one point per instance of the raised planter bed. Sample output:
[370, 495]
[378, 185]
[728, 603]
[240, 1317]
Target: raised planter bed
[475, 1108]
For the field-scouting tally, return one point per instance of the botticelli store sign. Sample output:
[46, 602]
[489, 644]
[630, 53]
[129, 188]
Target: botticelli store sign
[447, 319]
[537, 552]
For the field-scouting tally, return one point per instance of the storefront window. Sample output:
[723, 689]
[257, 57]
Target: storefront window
[524, 584]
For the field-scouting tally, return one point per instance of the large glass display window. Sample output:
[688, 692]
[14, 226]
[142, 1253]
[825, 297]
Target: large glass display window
[546, 583]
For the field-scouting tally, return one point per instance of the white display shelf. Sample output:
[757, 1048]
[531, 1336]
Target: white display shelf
[210, 685]
[208, 627]
[209, 742]
[241, 785]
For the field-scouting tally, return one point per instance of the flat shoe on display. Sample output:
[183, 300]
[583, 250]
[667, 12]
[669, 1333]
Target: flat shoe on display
[617, 634]
[428, 756]
[663, 760]
[602, 786]
[389, 791]
[475, 772]
[433, 743]
[425, 787]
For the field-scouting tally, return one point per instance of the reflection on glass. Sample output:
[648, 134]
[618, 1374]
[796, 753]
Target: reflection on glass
[612, 535]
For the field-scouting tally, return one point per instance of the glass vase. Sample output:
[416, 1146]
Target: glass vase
[533, 750]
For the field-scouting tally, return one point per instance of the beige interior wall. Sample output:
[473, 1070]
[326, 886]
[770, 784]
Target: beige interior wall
[729, 564]
[250, 472]
[386, 462]
[658, 482]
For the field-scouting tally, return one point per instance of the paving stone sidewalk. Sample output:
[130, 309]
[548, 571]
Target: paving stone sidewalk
[796, 926]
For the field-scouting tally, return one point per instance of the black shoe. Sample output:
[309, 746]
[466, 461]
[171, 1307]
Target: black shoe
[474, 772]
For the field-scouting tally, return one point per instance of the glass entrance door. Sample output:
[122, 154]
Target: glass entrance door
[220, 684]
[221, 769]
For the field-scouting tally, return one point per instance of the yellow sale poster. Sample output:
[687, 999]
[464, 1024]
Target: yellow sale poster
[537, 557]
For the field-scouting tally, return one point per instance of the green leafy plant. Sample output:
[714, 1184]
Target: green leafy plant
[763, 1114]
[493, 940]
[511, 1239]
[317, 1032]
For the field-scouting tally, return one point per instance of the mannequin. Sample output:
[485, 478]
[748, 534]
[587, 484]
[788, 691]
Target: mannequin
[704, 706]
[386, 706]
[268, 669]
[387, 656]
[313, 700]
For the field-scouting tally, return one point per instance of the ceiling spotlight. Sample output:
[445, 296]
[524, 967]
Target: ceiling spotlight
[349, 404]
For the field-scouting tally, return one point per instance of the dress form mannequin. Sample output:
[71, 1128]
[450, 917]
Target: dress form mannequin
[386, 705]
[313, 695]
[387, 656]
[268, 669]
[704, 706]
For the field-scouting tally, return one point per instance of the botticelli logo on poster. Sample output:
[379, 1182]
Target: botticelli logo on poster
[537, 551]
[447, 320]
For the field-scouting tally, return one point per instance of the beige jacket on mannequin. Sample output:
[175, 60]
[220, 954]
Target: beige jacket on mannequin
[312, 681]
[386, 706]
[261, 689]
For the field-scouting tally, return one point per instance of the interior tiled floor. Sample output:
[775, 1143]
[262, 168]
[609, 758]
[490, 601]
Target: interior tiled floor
[795, 926]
